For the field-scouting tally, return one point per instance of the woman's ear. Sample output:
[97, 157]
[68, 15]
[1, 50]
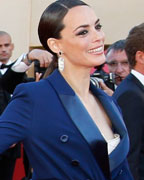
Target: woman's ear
[53, 45]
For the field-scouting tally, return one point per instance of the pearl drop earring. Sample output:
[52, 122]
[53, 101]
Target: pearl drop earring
[60, 62]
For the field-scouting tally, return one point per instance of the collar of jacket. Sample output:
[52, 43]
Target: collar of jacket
[132, 77]
[87, 127]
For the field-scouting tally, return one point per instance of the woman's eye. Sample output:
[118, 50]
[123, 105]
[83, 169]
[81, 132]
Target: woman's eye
[98, 26]
[82, 32]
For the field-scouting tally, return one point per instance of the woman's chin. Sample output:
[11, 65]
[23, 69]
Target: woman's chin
[100, 61]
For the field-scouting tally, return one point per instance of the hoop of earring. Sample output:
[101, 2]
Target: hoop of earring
[60, 62]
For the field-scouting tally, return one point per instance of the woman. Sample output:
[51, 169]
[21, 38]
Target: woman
[64, 122]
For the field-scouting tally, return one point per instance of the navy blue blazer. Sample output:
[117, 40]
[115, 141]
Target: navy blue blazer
[44, 115]
[130, 97]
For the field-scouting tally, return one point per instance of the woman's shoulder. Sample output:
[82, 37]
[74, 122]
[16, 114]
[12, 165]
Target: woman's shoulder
[32, 88]
[33, 85]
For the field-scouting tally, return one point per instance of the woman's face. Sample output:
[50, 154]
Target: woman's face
[82, 41]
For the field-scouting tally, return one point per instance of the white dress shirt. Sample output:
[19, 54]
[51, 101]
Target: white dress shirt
[18, 66]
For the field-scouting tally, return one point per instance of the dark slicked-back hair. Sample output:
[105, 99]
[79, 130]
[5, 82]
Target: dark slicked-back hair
[117, 46]
[51, 22]
[134, 43]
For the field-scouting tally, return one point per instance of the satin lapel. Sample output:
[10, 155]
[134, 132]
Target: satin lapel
[120, 153]
[82, 120]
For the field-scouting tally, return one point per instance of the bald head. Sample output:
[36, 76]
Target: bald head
[6, 47]
[2, 33]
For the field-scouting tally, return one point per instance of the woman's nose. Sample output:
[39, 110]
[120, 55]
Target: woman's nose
[99, 35]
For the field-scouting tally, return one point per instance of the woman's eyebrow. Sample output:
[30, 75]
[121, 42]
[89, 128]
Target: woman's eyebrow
[85, 25]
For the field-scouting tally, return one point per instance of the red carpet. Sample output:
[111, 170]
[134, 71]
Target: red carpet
[19, 168]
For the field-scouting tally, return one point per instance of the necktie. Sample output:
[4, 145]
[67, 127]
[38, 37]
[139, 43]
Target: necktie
[4, 66]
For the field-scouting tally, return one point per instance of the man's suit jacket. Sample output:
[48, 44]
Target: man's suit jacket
[10, 80]
[61, 140]
[130, 97]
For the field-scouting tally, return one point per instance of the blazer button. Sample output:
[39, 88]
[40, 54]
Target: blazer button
[64, 138]
[75, 162]
[120, 172]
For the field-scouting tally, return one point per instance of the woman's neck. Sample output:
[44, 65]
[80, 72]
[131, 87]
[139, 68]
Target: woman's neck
[79, 80]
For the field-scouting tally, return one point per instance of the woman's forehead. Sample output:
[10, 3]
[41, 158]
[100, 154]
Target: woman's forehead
[79, 15]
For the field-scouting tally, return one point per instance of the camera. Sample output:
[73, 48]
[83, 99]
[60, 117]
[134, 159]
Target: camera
[101, 75]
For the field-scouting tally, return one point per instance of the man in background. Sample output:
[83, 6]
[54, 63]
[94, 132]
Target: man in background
[118, 65]
[117, 61]
[130, 97]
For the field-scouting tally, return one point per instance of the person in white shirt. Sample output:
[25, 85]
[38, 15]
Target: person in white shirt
[130, 97]
[9, 79]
